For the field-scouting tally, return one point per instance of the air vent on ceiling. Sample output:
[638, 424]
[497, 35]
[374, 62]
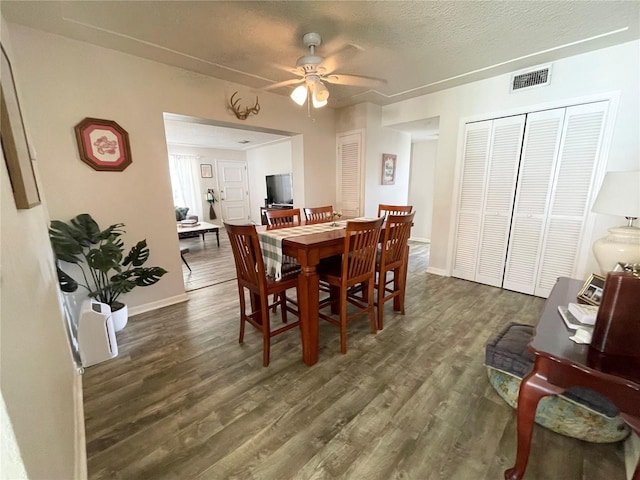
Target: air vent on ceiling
[244, 141]
[537, 77]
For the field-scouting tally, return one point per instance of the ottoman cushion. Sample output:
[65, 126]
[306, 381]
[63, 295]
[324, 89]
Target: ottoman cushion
[578, 412]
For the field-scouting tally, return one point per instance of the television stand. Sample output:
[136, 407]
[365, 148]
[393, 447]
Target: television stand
[273, 206]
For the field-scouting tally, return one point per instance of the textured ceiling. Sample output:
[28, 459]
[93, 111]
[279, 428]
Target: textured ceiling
[418, 47]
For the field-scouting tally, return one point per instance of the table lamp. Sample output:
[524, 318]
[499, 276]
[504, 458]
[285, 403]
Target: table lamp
[619, 195]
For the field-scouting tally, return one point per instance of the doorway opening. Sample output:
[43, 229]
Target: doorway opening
[221, 179]
[424, 153]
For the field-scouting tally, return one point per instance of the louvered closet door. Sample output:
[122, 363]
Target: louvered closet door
[572, 191]
[474, 164]
[502, 171]
[537, 166]
[349, 178]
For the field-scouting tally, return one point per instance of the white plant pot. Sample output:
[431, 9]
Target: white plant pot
[120, 318]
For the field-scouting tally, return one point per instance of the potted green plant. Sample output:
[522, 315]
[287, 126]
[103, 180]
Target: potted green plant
[99, 254]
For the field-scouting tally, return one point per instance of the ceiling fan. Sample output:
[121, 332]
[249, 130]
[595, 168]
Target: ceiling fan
[313, 74]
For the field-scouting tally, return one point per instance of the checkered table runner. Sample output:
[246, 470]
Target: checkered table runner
[271, 243]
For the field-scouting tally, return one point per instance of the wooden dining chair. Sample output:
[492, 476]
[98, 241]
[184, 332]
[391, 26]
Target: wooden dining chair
[283, 218]
[386, 210]
[394, 258]
[357, 267]
[251, 276]
[318, 214]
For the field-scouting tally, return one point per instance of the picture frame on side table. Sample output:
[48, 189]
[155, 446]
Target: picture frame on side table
[591, 291]
[389, 169]
[206, 170]
[103, 145]
[15, 146]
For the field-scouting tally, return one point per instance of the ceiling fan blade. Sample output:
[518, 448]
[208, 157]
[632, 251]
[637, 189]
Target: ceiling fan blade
[340, 57]
[287, 68]
[286, 83]
[354, 80]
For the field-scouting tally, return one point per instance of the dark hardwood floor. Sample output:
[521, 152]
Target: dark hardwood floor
[184, 400]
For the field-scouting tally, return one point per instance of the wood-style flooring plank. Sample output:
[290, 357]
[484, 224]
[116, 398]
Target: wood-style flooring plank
[185, 400]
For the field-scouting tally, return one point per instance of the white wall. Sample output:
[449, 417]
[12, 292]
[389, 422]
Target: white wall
[65, 81]
[208, 156]
[38, 381]
[381, 140]
[263, 161]
[421, 187]
[615, 69]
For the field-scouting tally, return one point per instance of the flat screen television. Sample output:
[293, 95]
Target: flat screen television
[279, 189]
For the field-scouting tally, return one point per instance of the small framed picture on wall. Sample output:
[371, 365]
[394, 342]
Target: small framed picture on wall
[206, 170]
[388, 169]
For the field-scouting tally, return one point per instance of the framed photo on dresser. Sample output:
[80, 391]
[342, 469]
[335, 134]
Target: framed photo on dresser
[591, 291]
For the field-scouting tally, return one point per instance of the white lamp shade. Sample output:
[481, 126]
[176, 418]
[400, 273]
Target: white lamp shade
[619, 194]
[299, 95]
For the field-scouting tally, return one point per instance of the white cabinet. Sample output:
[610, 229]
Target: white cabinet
[520, 222]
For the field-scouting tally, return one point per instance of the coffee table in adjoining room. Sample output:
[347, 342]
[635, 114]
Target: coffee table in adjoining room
[199, 229]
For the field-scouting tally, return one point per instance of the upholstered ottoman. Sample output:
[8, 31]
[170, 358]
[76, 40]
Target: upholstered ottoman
[579, 412]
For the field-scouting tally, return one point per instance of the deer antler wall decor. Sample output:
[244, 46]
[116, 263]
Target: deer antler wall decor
[242, 114]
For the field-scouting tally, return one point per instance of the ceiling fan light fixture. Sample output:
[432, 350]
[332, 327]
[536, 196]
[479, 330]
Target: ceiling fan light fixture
[299, 95]
[317, 103]
[320, 92]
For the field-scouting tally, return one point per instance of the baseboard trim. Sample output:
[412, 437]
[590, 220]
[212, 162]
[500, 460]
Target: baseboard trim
[437, 271]
[165, 302]
[420, 239]
[80, 447]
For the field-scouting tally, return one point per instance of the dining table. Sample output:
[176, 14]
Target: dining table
[308, 249]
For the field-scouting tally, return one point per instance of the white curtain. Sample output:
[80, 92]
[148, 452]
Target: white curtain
[185, 183]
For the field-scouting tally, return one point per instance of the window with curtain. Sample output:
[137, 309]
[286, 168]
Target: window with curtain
[185, 184]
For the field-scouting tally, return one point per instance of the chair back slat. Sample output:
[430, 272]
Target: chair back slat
[396, 237]
[247, 254]
[318, 214]
[361, 243]
[283, 218]
[386, 210]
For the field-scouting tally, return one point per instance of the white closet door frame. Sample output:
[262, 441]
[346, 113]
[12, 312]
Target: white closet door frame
[571, 181]
[543, 133]
[350, 203]
[497, 204]
[477, 137]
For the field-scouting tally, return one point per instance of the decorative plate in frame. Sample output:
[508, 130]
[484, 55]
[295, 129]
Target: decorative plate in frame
[103, 145]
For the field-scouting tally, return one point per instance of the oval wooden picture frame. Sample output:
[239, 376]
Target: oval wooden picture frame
[103, 145]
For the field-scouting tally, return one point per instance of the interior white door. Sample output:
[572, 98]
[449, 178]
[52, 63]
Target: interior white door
[474, 165]
[234, 190]
[349, 173]
[502, 172]
[539, 155]
[580, 150]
